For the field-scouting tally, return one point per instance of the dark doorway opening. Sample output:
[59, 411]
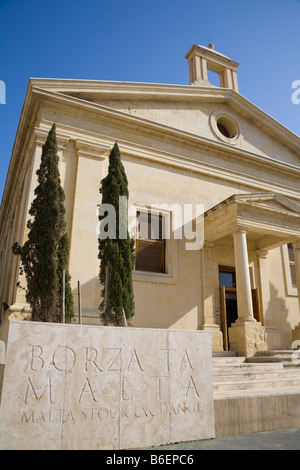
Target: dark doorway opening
[228, 302]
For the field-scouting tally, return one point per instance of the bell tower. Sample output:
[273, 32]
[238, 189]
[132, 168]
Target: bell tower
[201, 59]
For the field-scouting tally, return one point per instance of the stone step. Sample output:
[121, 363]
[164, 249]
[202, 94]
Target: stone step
[224, 361]
[258, 385]
[224, 354]
[239, 376]
[233, 394]
[289, 357]
[256, 394]
[246, 368]
[274, 352]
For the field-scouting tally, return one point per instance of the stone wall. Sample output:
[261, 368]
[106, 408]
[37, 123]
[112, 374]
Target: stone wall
[89, 387]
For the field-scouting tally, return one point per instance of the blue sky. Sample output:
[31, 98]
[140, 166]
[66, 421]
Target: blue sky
[146, 41]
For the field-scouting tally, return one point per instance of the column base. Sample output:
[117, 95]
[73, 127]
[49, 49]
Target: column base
[296, 333]
[216, 337]
[246, 338]
[17, 312]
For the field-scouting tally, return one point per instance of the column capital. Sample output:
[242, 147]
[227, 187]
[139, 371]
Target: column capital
[86, 148]
[240, 228]
[42, 134]
[262, 254]
[208, 244]
[296, 244]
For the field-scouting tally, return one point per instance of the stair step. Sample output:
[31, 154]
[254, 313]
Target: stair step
[231, 394]
[224, 354]
[227, 360]
[286, 357]
[255, 376]
[246, 368]
[274, 352]
[258, 385]
[264, 374]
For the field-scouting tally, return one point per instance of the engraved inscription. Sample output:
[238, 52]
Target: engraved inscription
[92, 364]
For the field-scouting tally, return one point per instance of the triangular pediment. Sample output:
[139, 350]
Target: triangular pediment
[189, 112]
[269, 218]
[268, 201]
[184, 107]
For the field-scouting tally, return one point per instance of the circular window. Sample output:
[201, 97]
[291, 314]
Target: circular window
[225, 127]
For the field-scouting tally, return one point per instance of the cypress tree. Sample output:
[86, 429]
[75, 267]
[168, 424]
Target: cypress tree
[116, 252]
[45, 254]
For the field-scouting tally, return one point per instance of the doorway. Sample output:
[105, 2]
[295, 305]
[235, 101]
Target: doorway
[228, 302]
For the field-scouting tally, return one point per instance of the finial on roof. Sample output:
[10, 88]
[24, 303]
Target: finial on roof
[211, 46]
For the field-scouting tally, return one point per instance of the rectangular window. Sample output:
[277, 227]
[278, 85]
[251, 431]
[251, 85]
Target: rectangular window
[227, 276]
[150, 243]
[292, 264]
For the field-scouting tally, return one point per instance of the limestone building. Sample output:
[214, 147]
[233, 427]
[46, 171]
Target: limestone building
[192, 145]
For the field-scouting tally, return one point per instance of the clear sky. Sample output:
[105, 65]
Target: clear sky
[146, 41]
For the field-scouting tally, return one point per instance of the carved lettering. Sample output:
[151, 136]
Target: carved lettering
[168, 357]
[88, 359]
[116, 357]
[128, 395]
[64, 358]
[186, 360]
[135, 378]
[191, 388]
[134, 360]
[31, 392]
[160, 386]
[27, 417]
[87, 389]
[61, 415]
[37, 362]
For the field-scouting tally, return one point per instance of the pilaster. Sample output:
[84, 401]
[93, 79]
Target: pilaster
[90, 168]
[296, 248]
[208, 287]
[271, 333]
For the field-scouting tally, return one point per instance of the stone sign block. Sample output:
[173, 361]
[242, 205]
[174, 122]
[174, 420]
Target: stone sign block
[89, 387]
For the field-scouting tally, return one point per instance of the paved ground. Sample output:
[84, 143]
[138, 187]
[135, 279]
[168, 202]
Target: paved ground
[288, 439]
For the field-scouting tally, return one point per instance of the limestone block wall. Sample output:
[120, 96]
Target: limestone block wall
[169, 165]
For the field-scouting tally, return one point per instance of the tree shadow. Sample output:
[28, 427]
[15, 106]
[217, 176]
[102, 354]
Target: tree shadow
[276, 316]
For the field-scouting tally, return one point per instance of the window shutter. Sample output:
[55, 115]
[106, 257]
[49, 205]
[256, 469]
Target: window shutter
[150, 243]
[292, 264]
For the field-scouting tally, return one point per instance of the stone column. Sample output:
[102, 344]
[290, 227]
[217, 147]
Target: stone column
[243, 284]
[246, 335]
[296, 247]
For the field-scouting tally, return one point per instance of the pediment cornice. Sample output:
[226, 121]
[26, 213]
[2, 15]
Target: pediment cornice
[176, 135]
[89, 89]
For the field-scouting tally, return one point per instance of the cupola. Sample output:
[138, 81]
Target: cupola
[201, 59]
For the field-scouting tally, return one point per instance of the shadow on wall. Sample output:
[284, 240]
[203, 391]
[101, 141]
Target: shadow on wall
[156, 305]
[276, 316]
[90, 297]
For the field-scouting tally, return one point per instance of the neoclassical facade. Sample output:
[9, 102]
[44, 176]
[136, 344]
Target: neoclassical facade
[181, 145]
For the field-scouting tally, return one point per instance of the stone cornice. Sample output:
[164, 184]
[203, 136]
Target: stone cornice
[167, 92]
[40, 137]
[99, 146]
[36, 98]
[128, 120]
[90, 150]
